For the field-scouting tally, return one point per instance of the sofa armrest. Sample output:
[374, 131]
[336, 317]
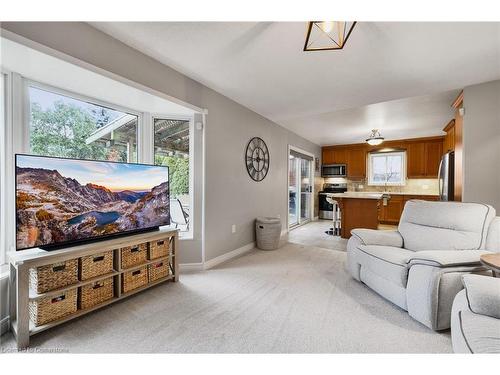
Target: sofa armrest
[447, 258]
[483, 294]
[378, 237]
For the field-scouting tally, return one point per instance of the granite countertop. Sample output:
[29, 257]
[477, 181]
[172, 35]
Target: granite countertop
[358, 194]
[405, 193]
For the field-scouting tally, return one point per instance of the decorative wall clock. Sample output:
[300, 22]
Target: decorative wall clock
[257, 159]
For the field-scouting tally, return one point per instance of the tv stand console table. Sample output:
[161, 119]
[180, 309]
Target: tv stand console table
[22, 261]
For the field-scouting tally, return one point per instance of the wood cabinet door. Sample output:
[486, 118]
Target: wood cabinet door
[394, 209]
[415, 164]
[327, 156]
[339, 156]
[422, 197]
[433, 153]
[449, 140]
[356, 162]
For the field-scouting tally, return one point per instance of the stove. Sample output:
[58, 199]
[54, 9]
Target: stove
[334, 188]
[325, 208]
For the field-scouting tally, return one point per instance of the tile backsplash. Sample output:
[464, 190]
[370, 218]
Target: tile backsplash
[412, 186]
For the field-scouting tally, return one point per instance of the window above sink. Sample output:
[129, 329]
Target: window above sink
[387, 168]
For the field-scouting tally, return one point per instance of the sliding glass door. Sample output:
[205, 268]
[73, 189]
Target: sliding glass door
[299, 188]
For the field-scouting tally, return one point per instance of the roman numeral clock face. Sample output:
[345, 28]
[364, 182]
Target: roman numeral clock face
[257, 159]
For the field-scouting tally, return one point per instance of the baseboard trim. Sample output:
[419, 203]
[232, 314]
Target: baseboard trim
[4, 325]
[191, 267]
[228, 256]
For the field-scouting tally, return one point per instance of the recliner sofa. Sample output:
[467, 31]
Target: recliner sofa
[419, 267]
[475, 316]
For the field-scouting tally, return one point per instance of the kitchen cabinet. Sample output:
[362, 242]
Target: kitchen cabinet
[449, 138]
[421, 197]
[391, 213]
[458, 145]
[327, 156]
[433, 153]
[333, 155]
[358, 213]
[356, 162]
[415, 160]
[423, 158]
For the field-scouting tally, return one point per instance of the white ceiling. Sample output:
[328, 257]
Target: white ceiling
[262, 66]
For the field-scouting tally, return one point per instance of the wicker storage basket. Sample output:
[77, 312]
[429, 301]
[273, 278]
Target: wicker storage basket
[158, 270]
[158, 249]
[134, 279]
[96, 293]
[96, 265]
[134, 255]
[54, 276]
[48, 309]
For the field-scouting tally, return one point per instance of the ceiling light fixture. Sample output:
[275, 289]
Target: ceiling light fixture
[327, 35]
[375, 138]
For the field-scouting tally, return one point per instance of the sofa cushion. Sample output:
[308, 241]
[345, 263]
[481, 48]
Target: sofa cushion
[483, 294]
[445, 225]
[447, 258]
[378, 237]
[386, 261]
[481, 333]
[493, 239]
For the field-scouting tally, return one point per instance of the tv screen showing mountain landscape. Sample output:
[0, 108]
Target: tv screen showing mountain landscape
[65, 200]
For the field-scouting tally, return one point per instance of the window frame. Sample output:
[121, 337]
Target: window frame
[372, 155]
[5, 157]
[16, 139]
[27, 83]
[190, 233]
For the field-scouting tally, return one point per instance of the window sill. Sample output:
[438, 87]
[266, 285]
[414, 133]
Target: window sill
[186, 237]
[4, 271]
[388, 185]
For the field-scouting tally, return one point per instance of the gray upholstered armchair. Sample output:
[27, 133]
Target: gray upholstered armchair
[475, 316]
[420, 266]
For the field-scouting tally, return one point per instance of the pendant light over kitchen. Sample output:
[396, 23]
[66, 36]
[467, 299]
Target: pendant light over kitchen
[375, 138]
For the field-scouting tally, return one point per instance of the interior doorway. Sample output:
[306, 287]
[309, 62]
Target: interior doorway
[300, 187]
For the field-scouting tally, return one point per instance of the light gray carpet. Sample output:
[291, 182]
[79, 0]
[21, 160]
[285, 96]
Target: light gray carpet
[313, 234]
[293, 300]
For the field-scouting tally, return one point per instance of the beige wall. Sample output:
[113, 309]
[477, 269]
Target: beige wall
[231, 197]
[481, 139]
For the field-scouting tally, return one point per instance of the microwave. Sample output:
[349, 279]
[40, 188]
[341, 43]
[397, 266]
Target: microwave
[333, 170]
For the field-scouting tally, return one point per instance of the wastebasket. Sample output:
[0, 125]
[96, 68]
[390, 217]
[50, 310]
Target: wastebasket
[268, 231]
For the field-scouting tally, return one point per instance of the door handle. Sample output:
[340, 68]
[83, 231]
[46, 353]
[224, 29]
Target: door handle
[440, 180]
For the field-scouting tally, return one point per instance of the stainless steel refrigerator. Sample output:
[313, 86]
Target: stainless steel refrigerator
[446, 177]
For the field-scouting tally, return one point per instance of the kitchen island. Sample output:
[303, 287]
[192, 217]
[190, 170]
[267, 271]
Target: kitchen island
[358, 210]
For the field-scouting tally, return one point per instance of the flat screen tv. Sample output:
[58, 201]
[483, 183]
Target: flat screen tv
[60, 201]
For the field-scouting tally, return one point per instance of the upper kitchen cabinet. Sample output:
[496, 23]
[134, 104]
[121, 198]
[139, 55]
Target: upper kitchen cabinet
[356, 162]
[433, 153]
[334, 155]
[449, 138]
[415, 159]
[423, 157]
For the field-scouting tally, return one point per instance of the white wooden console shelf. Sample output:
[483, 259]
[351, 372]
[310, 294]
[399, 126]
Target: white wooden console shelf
[21, 261]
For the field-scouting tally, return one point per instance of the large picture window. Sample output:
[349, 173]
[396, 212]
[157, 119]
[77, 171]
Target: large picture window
[71, 115]
[64, 126]
[171, 148]
[387, 168]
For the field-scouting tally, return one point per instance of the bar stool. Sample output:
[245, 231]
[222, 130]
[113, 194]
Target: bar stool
[335, 230]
